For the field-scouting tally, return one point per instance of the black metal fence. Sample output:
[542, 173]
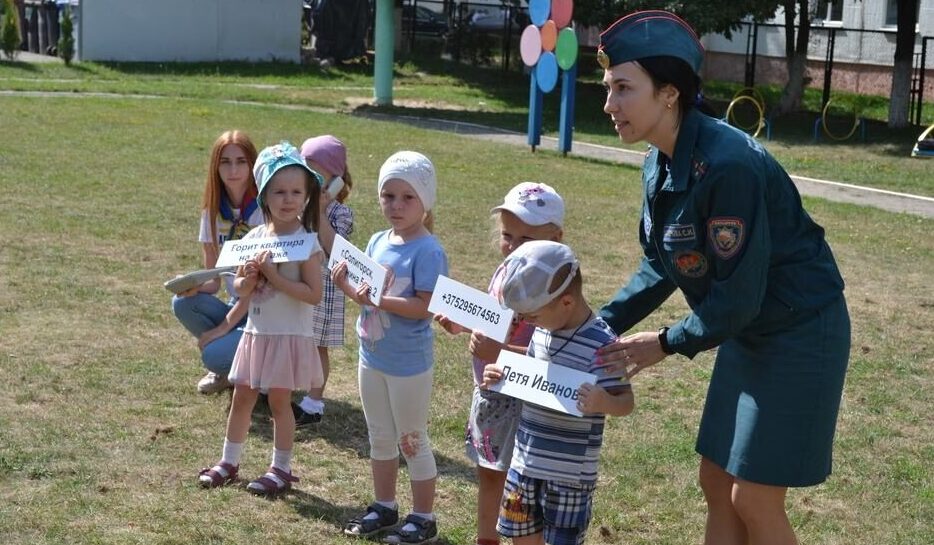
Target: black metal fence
[919, 65]
[481, 31]
[40, 25]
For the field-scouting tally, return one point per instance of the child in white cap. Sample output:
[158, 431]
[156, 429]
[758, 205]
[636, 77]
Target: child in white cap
[530, 211]
[396, 350]
[549, 488]
[277, 353]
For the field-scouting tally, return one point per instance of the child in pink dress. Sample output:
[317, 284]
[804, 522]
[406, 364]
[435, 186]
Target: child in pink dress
[277, 353]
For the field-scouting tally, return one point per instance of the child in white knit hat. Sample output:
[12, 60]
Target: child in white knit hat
[396, 343]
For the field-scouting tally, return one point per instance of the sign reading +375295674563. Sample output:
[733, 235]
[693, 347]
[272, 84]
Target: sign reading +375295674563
[536, 381]
[360, 267]
[470, 308]
[288, 248]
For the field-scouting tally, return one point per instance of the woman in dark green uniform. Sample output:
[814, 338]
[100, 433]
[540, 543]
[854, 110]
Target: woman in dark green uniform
[723, 222]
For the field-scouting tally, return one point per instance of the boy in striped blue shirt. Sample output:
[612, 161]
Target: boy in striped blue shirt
[549, 489]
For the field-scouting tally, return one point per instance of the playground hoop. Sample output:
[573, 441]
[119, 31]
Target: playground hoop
[751, 92]
[924, 147]
[760, 123]
[856, 124]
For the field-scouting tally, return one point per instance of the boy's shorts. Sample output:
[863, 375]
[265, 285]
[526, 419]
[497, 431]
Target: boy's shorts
[559, 509]
[491, 429]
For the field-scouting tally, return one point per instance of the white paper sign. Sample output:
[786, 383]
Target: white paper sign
[360, 267]
[549, 385]
[470, 308]
[288, 248]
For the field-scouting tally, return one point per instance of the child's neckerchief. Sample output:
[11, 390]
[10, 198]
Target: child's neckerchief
[239, 226]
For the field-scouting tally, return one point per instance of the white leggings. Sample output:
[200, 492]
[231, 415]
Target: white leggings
[396, 411]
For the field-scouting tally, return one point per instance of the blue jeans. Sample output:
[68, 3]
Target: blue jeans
[202, 312]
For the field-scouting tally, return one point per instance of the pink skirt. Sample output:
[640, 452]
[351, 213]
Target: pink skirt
[277, 361]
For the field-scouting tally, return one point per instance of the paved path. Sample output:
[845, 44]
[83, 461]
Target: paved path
[826, 189]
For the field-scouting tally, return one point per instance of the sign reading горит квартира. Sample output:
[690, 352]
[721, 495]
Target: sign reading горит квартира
[287, 248]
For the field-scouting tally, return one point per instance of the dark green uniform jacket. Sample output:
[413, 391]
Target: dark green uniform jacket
[723, 222]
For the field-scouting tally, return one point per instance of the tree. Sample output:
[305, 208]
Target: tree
[900, 95]
[9, 30]
[66, 42]
[723, 16]
[796, 54]
[704, 15]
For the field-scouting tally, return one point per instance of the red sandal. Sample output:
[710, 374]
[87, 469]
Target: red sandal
[219, 475]
[272, 483]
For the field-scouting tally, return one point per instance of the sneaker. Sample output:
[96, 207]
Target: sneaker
[414, 531]
[302, 418]
[213, 383]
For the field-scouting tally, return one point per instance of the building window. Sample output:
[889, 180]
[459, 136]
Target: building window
[891, 12]
[831, 11]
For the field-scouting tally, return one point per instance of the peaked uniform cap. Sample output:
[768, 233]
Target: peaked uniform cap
[652, 33]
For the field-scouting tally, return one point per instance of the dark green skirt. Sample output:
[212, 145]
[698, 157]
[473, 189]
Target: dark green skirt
[772, 405]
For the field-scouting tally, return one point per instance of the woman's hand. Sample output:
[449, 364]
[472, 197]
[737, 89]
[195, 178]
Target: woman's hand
[632, 353]
[492, 374]
[450, 326]
[484, 347]
[210, 336]
[189, 293]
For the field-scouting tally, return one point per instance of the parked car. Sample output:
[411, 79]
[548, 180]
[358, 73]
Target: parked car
[427, 22]
[494, 19]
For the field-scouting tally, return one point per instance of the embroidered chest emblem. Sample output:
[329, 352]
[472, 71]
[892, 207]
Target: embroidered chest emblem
[690, 263]
[726, 236]
[676, 232]
[698, 169]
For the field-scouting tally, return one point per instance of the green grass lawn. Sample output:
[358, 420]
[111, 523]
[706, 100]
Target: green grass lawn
[102, 433]
[428, 87]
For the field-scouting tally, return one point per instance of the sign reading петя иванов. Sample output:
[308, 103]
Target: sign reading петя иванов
[470, 308]
[361, 268]
[283, 249]
[536, 381]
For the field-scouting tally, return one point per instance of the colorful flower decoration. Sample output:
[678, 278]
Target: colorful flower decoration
[549, 43]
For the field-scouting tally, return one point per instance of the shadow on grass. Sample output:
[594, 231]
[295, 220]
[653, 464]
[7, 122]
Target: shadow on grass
[310, 506]
[344, 426]
[236, 69]
[21, 65]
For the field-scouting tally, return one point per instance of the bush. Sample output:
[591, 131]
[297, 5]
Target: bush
[66, 40]
[9, 30]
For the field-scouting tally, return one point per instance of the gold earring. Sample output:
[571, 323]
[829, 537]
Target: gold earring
[669, 105]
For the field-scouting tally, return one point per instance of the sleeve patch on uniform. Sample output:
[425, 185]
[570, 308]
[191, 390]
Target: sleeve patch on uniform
[675, 232]
[690, 263]
[726, 236]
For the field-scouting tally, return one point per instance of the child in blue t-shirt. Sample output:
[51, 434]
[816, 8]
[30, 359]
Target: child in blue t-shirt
[396, 343]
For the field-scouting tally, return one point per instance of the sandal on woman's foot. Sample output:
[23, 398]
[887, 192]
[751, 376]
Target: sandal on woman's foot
[363, 527]
[219, 475]
[272, 483]
[415, 531]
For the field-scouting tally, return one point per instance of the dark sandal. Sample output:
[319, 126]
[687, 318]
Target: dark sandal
[361, 527]
[215, 478]
[426, 531]
[267, 486]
